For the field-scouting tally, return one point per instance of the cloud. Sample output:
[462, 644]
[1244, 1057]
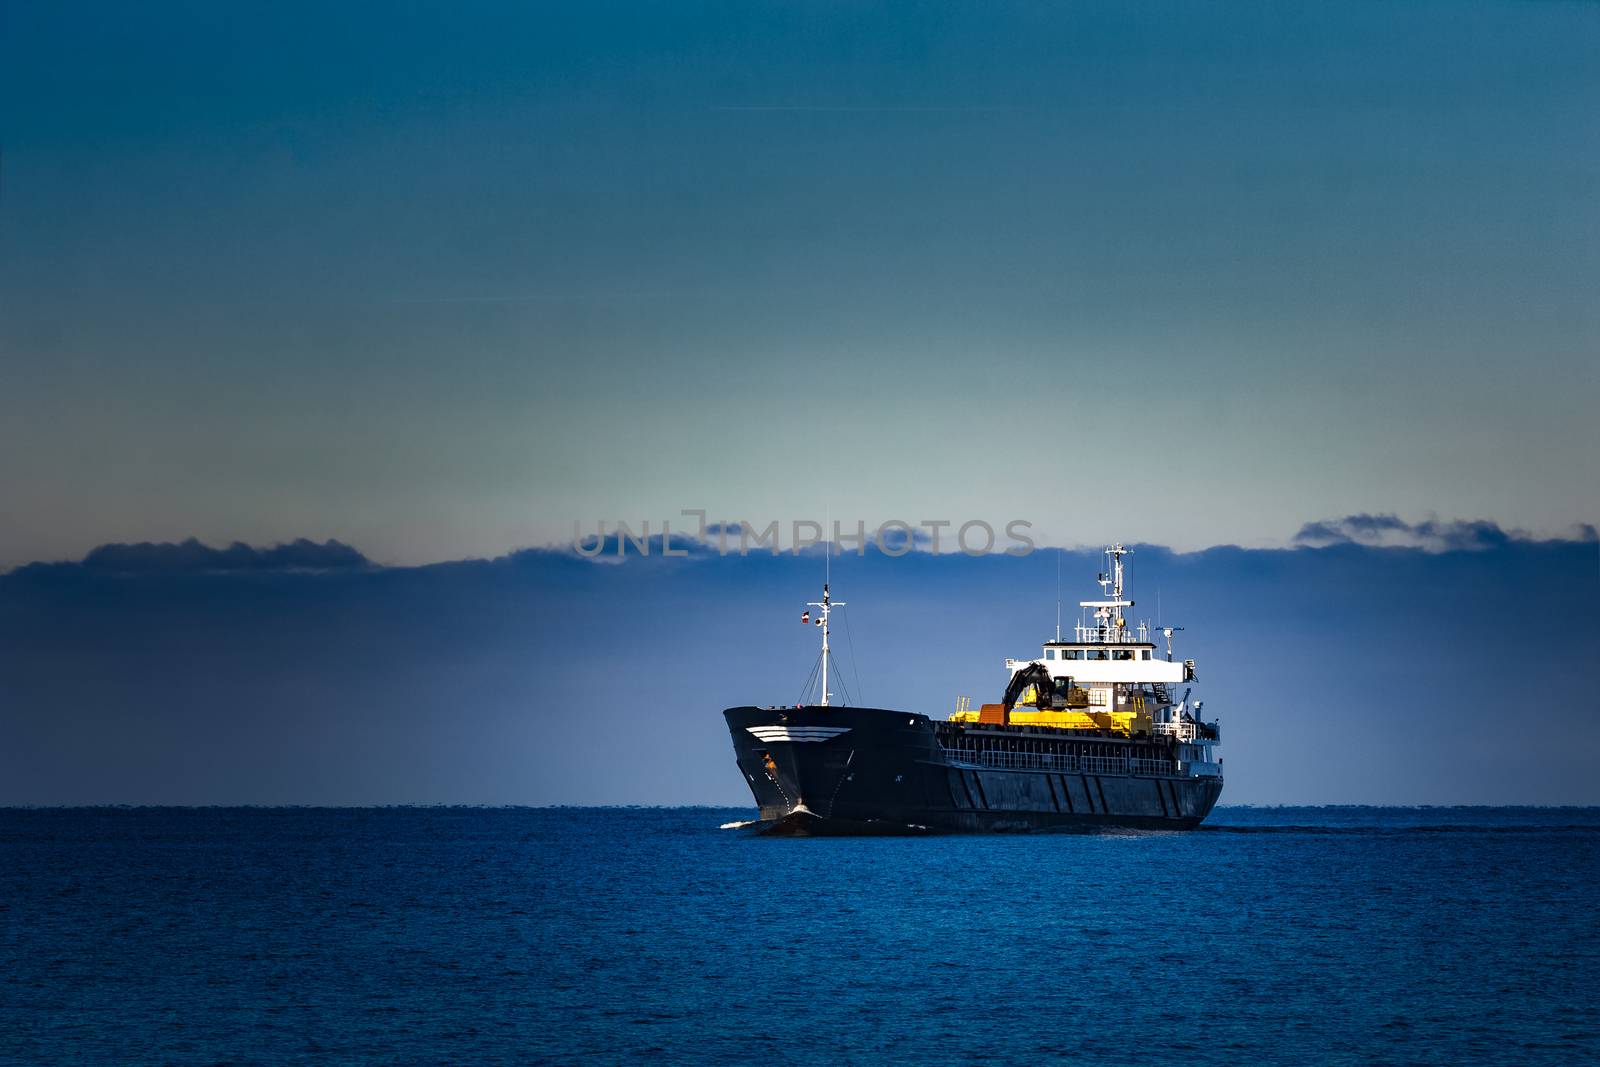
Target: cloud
[896, 539]
[613, 546]
[187, 674]
[1431, 535]
[193, 557]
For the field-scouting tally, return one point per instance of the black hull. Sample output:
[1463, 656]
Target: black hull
[817, 771]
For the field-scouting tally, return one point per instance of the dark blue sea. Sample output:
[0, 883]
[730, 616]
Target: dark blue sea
[467, 935]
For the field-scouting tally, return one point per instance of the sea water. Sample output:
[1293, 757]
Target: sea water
[468, 935]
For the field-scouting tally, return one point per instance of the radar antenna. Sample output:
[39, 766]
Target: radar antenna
[1110, 625]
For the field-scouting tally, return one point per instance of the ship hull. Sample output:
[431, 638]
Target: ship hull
[830, 770]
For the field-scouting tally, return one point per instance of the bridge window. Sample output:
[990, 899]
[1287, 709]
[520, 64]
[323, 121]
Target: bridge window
[1144, 653]
[1049, 653]
[1122, 653]
[1072, 653]
[1099, 653]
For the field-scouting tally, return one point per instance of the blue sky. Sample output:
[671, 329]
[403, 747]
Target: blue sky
[440, 280]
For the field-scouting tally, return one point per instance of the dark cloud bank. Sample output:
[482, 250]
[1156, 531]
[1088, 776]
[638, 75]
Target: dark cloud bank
[1432, 534]
[1457, 670]
[192, 557]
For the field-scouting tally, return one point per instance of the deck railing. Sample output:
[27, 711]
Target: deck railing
[1187, 730]
[1049, 761]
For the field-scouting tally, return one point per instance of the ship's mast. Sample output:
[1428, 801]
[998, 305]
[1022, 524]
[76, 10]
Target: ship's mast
[824, 607]
[1108, 613]
[1058, 595]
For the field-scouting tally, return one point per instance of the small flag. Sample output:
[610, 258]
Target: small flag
[805, 617]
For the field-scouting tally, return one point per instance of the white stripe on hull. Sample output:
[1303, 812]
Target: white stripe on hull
[797, 733]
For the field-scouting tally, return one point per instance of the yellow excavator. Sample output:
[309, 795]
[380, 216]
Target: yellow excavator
[1064, 707]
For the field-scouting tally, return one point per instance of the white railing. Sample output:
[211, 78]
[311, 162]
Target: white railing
[1185, 730]
[1049, 761]
[1153, 766]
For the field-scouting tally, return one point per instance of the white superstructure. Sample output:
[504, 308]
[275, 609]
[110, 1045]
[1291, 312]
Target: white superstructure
[1119, 670]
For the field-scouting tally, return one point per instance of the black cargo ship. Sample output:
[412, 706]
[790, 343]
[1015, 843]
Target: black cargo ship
[1088, 736]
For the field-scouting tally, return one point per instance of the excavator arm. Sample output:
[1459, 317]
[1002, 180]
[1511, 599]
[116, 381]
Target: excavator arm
[1035, 675]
